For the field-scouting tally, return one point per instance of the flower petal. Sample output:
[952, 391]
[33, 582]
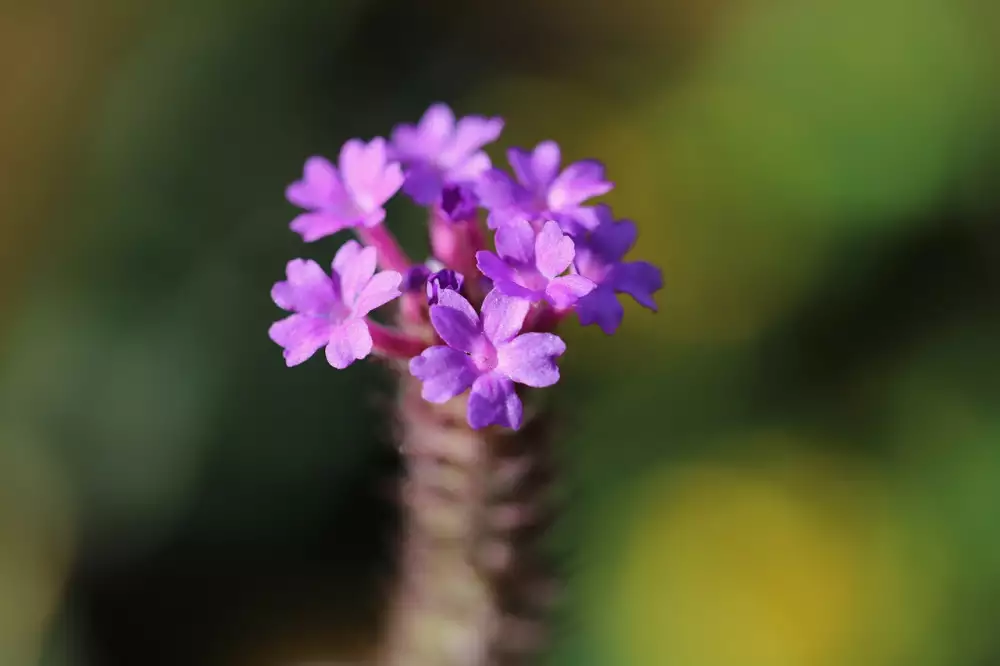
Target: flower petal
[612, 240]
[455, 321]
[313, 226]
[590, 265]
[503, 316]
[300, 335]
[361, 163]
[493, 266]
[307, 289]
[391, 180]
[349, 342]
[545, 162]
[366, 174]
[425, 140]
[520, 163]
[530, 359]
[354, 267]
[495, 190]
[453, 299]
[576, 221]
[515, 290]
[381, 289]
[500, 217]
[435, 129]
[445, 373]
[471, 134]
[577, 183]
[319, 185]
[515, 242]
[553, 250]
[373, 218]
[493, 401]
[638, 279]
[601, 307]
[423, 184]
[471, 169]
[346, 255]
[565, 291]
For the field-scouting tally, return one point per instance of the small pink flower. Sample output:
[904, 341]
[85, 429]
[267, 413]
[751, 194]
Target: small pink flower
[330, 310]
[529, 266]
[354, 196]
[487, 355]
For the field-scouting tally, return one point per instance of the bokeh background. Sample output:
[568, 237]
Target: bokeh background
[795, 463]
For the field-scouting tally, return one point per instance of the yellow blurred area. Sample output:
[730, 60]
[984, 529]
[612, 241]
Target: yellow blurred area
[793, 560]
[54, 57]
[35, 547]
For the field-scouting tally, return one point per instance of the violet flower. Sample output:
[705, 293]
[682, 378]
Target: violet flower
[441, 280]
[438, 151]
[541, 191]
[330, 310]
[352, 196]
[487, 354]
[599, 257]
[529, 264]
[458, 203]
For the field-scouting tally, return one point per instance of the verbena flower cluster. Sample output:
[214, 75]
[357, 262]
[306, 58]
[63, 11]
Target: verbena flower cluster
[473, 317]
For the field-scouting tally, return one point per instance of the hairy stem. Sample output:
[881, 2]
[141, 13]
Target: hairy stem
[473, 588]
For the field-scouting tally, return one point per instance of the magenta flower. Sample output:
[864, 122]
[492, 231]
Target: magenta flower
[541, 192]
[529, 266]
[439, 152]
[599, 257]
[329, 310]
[486, 354]
[351, 197]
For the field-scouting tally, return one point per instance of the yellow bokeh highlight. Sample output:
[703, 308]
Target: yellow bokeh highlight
[794, 562]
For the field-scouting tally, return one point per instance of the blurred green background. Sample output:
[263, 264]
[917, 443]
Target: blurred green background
[796, 463]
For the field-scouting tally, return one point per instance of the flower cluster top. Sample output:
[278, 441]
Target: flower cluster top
[475, 317]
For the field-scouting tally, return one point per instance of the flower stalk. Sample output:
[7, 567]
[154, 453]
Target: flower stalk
[474, 588]
[475, 337]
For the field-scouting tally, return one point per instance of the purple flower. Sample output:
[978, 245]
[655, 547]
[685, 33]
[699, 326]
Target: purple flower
[541, 192]
[443, 279]
[415, 278]
[528, 265]
[438, 151]
[487, 354]
[350, 197]
[458, 203]
[599, 257]
[330, 310]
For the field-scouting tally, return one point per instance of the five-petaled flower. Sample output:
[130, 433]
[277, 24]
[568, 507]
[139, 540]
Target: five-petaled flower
[352, 196]
[438, 151]
[487, 354]
[540, 191]
[599, 257]
[330, 310]
[530, 265]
